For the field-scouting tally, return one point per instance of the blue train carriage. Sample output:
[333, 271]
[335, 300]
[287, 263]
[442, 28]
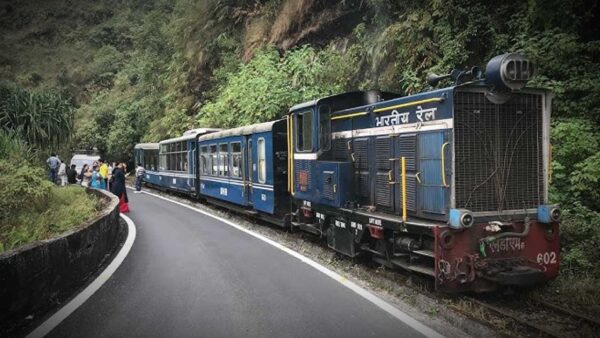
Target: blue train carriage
[177, 162]
[450, 183]
[146, 154]
[246, 167]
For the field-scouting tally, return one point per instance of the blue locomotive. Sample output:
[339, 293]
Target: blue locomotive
[451, 183]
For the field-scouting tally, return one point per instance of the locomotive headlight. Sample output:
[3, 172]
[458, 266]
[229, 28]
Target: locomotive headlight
[548, 213]
[555, 214]
[508, 72]
[460, 219]
[466, 220]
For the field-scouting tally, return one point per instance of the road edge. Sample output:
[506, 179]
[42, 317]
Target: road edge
[84, 295]
[385, 306]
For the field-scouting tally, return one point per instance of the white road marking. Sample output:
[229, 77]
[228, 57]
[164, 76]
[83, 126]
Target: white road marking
[395, 312]
[76, 302]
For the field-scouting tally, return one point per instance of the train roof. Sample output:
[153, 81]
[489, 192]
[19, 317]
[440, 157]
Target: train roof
[246, 130]
[191, 134]
[349, 100]
[201, 131]
[146, 146]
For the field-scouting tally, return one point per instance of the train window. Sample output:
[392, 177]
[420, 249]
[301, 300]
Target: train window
[223, 160]
[324, 128]
[163, 157]
[262, 163]
[214, 164]
[236, 159]
[152, 160]
[250, 169]
[204, 160]
[304, 131]
[184, 161]
[172, 159]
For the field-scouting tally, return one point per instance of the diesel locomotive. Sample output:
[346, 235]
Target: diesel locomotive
[451, 183]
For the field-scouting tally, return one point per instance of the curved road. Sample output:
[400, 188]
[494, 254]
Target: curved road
[189, 275]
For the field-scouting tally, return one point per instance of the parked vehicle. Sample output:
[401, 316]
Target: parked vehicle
[80, 159]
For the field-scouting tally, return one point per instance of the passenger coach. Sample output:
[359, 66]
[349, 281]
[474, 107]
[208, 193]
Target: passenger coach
[146, 154]
[246, 166]
[177, 161]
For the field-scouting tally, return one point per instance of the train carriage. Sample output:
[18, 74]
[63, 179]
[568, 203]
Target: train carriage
[146, 154]
[177, 161]
[246, 167]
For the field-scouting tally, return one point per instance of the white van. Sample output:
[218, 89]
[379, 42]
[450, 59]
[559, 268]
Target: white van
[80, 159]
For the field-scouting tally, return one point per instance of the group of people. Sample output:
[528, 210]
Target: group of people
[59, 173]
[99, 175]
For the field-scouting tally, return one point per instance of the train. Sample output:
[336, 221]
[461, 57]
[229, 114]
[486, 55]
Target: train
[450, 183]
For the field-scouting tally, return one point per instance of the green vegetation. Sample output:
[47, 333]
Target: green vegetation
[42, 118]
[62, 210]
[32, 208]
[147, 70]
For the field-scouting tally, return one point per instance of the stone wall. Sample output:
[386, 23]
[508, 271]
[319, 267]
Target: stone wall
[35, 278]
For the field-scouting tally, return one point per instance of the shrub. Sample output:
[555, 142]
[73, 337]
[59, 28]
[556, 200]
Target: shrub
[66, 207]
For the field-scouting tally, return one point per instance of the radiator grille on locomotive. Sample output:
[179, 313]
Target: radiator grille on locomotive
[498, 152]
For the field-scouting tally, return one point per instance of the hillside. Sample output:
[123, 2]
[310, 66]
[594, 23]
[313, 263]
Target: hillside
[147, 70]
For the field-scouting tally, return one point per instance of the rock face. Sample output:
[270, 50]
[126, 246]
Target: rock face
[37, 277]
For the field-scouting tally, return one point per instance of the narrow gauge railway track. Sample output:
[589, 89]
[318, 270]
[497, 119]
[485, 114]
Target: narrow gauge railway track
[539, 317]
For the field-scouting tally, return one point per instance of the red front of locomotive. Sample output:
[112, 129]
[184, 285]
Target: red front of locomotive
[496, 254]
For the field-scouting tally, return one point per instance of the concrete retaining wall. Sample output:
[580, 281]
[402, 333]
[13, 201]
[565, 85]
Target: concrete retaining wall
[37, 277]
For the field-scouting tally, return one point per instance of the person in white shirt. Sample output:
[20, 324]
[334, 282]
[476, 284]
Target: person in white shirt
[62, 174]
[139, 178]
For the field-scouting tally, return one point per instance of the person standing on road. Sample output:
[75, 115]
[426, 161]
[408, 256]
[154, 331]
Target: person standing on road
[72, 175]
[53, 163]
[111, 167]
[62, 174]
[104, 173]
[86, 176]
[140, 172]
[96, 178]
[118, 187]
[83, 171]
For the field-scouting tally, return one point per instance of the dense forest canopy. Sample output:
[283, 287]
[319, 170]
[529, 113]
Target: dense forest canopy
[145, 70]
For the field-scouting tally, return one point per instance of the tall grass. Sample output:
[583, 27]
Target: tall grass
[42, 118]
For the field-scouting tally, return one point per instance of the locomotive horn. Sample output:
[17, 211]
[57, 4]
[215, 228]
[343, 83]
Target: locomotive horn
[433, 79]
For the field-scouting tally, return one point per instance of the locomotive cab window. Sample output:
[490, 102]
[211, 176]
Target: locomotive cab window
[324, 128]
[304, 131]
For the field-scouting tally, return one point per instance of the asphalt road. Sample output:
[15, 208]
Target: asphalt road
[189, 275]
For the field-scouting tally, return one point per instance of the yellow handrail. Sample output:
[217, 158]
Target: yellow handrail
[404, 188]
[347, 116]
[443, 164]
